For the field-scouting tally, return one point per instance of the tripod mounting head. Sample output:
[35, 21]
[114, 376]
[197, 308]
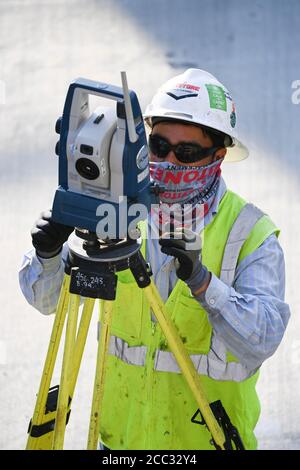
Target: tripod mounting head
[94, 247]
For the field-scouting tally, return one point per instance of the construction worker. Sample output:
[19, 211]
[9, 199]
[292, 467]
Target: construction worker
[226, 300]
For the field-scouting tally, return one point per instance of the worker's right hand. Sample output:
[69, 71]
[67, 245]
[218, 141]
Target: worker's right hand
[48, 236]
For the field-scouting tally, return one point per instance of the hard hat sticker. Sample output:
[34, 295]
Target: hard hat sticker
[233, 116]
[183, 90]
[179, 94]
[217, 98]
[233, 119]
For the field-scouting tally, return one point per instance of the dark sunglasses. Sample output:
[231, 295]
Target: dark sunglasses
[185, 152]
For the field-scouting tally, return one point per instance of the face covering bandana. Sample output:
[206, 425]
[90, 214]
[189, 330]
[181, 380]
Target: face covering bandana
[186, 185]
[192, 189]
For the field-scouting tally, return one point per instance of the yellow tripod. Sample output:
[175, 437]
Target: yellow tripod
[90, 273]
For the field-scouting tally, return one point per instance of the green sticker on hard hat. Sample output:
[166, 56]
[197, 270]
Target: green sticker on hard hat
[217, 97]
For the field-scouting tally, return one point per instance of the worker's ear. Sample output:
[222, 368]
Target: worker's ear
[220, 153]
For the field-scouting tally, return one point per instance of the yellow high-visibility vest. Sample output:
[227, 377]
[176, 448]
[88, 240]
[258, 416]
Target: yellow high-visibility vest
[147, 403]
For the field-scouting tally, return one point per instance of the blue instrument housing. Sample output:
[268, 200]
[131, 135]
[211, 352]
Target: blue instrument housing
[76, 208]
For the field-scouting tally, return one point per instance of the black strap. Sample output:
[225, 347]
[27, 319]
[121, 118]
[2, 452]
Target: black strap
[38, 430]
[233, 440]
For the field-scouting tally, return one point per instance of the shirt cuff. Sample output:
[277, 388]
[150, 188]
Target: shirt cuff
[50, 264]
[215, 296]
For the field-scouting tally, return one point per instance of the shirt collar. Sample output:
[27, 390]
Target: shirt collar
[220, 193]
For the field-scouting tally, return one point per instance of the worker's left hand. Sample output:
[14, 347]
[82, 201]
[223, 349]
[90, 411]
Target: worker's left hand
[185, 246]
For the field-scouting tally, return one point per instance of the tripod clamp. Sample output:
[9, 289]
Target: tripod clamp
[93, 266]
[230, 432]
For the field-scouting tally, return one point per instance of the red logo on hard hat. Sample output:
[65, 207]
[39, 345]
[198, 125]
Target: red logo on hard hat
[187, 86]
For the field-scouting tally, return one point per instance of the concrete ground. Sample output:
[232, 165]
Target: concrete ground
[252, 47]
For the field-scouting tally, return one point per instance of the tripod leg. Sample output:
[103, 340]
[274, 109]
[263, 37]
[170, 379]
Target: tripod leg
[64, 388]
[81, 340]
[184, 361]
[102, 354]
[42, 438]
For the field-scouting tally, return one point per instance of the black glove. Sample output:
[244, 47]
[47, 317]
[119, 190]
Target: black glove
[49, 236]
[186, 246]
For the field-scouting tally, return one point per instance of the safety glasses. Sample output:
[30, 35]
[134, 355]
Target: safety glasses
[185, 152]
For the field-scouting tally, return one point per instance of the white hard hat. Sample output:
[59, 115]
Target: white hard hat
[198, 97]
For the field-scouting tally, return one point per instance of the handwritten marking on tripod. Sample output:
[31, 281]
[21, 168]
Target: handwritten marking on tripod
[85, 280]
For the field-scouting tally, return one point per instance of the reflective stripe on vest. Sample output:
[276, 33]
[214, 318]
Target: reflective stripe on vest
[133, 355]
[239, 233]
[214, 364]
